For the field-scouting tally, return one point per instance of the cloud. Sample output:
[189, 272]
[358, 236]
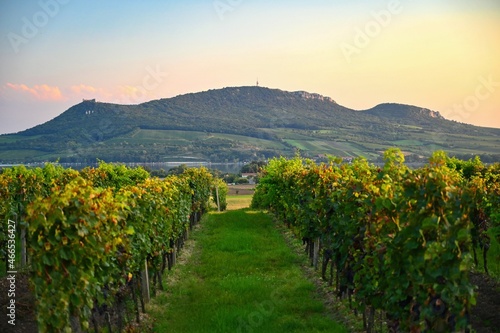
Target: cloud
[128, 91]
[47, 93]
[125, 94]
[135, 94]
[86, 91]
[82, 88]
[41, 92]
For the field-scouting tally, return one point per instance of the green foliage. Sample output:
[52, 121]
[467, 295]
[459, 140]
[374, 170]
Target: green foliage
[74, 236]
[467, 168]
[242, 180]
[200, 181]
[400, 239]
[94, 230]
[253, 167]
[178, 170]
[20, 185]
[221, 189]
[115, 176]
[162, 173]
[231, 178]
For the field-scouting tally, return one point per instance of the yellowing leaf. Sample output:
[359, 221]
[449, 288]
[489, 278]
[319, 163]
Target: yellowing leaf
[130, 230]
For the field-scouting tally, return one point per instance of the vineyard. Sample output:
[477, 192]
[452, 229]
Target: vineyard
[391, 242]
[91, 239]
[390, 239]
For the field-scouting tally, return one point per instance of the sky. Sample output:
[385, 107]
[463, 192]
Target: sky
[443, 55]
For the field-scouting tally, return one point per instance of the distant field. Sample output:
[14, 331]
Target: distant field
[235, 202]
[244, 189]
[24, 153]
[412, 127]
[172, 137]
[300, 144]
[239, 196]
[316, 147]
[331, 142]
[288, 134]
[407, 143]
[168, 145]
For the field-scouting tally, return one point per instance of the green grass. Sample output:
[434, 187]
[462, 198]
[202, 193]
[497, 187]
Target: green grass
[241, 277]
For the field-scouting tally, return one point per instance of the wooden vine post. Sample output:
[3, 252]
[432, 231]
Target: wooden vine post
[145, 283]
[217, 195]
[316, 253]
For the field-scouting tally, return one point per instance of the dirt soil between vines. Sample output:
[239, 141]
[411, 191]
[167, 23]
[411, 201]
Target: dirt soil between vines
[25, 321]
[485, 316]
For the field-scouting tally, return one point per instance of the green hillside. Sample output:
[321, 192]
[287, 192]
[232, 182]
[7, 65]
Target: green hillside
[242, 123]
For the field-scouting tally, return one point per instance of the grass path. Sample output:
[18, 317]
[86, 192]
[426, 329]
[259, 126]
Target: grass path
[240, 277]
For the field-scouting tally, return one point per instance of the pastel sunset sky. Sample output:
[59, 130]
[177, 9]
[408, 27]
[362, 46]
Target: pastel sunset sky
[439, 54]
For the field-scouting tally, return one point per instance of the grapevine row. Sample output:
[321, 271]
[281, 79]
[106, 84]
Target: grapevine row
[91, 233]
[398, 240]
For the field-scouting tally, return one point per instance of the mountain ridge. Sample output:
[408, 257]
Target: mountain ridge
[240, 123]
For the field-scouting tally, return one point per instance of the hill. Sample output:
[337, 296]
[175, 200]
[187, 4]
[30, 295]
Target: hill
[242, 123]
